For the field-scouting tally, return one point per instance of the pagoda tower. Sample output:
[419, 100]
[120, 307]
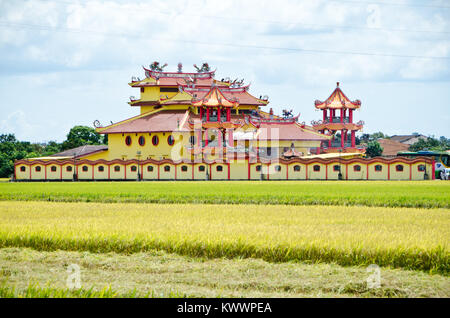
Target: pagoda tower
[338, 116]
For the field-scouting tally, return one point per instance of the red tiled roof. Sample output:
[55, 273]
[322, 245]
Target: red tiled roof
[392, 147]
[337, 100]
[161, 121]
[287, 132]
[244, 98]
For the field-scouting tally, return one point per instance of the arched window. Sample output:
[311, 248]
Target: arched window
[166, 168]
[53, 168]
[149, 168]
[155, 140]
[258, 168]
[133, 168]
[297, 168]
[277, 168]
[184, 168]
[69, 168]
[336, 168]
[22, 168]
[219, 168]
[170, 140]
[399, 168]
[356, 168]
[316, 168]
[201, 168]
[128, 140]
[101, 168]
[85, 168]
[378, 168]
[38, 168]
[421, 168]
[116, 168]
[141, 141]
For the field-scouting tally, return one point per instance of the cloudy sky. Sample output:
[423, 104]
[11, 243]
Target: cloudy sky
[65, 63]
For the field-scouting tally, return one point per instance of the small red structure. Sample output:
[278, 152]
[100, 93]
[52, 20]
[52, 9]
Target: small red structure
[334, 121]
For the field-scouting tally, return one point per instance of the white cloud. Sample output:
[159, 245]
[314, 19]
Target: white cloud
[119, 36]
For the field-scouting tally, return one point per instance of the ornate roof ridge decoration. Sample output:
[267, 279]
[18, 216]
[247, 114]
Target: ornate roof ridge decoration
[215, 98]
[222, 88]
[160, 74]
[343, 99]
[257, 121]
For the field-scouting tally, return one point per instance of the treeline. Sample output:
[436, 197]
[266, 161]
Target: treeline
[12, 149]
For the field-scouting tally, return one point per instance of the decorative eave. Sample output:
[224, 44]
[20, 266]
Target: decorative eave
[320, 125]
[215, 98]
[101, 129]
[342, 102]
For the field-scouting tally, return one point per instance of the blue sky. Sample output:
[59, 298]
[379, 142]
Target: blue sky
[65, 63]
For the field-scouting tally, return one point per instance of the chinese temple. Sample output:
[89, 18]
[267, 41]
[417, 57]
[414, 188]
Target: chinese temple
[192, 126]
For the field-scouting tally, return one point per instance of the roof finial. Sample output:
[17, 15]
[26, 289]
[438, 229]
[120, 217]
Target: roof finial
[337, 84]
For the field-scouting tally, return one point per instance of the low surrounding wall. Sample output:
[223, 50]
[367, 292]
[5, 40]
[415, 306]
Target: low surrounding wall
[398, 168]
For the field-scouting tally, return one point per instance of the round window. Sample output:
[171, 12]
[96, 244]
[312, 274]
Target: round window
[170, 140]
[128, 140]
[141, 141]
[155, 140]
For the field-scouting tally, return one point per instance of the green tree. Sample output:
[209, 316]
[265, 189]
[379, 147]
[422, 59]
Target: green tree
[431, 144]
[80, 136]
[374, 149]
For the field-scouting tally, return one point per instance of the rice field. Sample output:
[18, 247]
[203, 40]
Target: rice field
[413, 194]
[316, 228]
[409, 238]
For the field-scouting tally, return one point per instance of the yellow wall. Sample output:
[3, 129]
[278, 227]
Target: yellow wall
[22, 175]
[117, 148]
[357, 175]
[378, 175]
[297, 175]
[316, 175]
[238, 171]
[219, 175]
[166, 175]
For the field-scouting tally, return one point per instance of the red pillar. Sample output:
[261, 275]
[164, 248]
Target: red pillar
[331, 115]
[353, 139]
[207, 113]
[342, 138]
[350, 115]
[219, 111]
[201, 112]
[324, 115]
[342, 115]
[228, 114]
[432, 170]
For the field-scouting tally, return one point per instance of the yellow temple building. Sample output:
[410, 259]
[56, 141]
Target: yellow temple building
[192, 126]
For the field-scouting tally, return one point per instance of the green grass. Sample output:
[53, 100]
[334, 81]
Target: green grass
[398, 237]
[160, 274]
[35, 291]
[416, 194]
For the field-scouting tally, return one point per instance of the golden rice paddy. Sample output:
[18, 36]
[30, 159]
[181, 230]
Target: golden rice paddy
[409, 238]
